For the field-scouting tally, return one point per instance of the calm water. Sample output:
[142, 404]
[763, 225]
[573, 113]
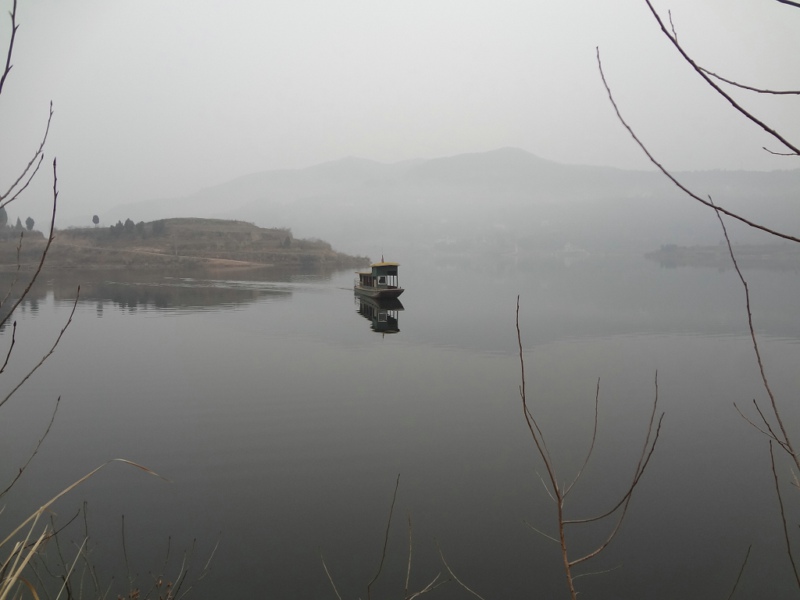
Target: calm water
[283, 420]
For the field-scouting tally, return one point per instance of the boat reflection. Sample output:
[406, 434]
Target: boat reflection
[382, 312]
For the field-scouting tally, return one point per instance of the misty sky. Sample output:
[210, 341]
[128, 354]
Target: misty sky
[161, 98]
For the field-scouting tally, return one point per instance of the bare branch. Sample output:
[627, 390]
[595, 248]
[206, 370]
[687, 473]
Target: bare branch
[16, 273]
[777, 153]
[644, 459]
[50, 239]
[36, 159]
[784, 440]
[767, 432]
[672, 178]
[328, 573]
[748, 115]
[385, 538]
[10, 51]
[789, 2]
[542, 533]
[10, 347]
[591, 445]
[533, 426]
[35, 450]
[750, 88]
[431, 586]
[410, 549]
[741, 571]
[783, 515]
[48, 354]
[455, 577]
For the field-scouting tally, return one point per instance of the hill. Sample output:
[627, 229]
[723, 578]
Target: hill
[506, 200]
[175, 243]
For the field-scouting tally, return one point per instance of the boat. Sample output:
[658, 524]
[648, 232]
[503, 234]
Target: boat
[379, 282]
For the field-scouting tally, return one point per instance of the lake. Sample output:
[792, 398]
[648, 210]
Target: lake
[282, 420]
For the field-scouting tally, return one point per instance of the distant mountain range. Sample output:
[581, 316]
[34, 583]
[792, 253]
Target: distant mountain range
[502, 201]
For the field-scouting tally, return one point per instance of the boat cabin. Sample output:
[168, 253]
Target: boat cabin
[382, 276]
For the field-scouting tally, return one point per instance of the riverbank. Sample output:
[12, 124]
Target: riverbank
[172, 244]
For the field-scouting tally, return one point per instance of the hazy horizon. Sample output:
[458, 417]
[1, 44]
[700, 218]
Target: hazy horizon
[157, 100]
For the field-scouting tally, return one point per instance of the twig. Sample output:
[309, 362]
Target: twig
[125, 555]
[328, 573]
[10, 347]
[644, 460]
[783, 515]
[741, 571]
[17, 187]
[50, 239]
[10, 51]
[542, 533]
[749, 88]
[385, 538]
[408, 566]
[35, 450]
[591, 445]
[47, 355]
[455, 577]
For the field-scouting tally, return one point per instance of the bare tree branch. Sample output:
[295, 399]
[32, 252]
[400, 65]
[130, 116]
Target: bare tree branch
[36, 159]
[784, 439]
[741, 571]
[456, 579]
[50, 238]
[35, 450]
[672, 178]
[750, 88]
[10, 51]
[48, 354]
[559, 493]
[748, 115]
[591, 445]
[783, 516]
[385, 538]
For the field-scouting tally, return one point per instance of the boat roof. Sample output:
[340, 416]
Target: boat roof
[385, 264]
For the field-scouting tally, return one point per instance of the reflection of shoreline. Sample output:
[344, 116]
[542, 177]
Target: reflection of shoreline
[199, 289]
[777, 257]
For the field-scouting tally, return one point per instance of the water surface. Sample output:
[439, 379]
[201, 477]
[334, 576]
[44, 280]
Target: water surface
[283, 419]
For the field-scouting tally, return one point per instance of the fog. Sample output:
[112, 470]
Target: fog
[158, 100]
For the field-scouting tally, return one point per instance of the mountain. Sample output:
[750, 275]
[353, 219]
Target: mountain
[497, 201]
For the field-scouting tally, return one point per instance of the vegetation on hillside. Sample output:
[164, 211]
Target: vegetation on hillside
[178, 243]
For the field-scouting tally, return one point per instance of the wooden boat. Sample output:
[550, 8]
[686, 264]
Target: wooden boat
[380, 282]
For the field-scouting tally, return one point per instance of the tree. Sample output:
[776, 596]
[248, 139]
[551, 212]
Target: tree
[129, 226]
[19, 552]
[766, 415]
[95, 220]
[29, 224]
[18, 225]
[27, 539]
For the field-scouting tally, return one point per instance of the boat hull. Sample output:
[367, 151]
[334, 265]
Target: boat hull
[380, 293]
